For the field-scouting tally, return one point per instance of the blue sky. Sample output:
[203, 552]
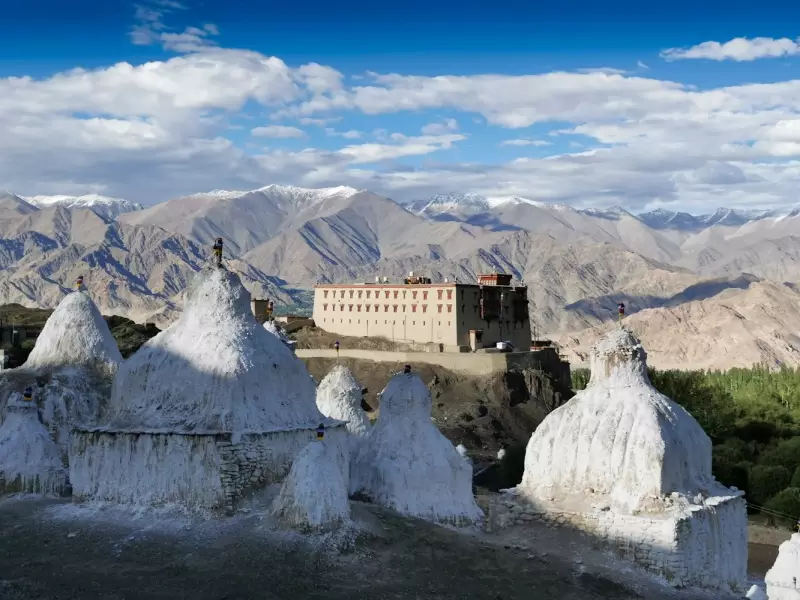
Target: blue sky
[473, 104]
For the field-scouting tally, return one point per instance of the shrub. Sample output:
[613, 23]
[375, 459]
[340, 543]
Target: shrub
[795, 483]
[766, 481]
[785, 454]
[730, 474]
[786, 502]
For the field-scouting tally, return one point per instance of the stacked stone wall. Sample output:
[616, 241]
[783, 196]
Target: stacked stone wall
[681, 548]
[211, 471]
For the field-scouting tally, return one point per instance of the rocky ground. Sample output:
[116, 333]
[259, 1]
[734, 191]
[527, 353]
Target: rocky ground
[314, 337]
[52, 550]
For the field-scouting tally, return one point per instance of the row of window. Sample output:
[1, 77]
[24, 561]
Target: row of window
[386, 322]
[385, 307]
[439, 293]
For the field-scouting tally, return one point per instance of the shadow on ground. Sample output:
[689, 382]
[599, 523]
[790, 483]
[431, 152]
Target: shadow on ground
[51, 550]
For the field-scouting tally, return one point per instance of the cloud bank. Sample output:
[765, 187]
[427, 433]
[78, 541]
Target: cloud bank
[152, 131]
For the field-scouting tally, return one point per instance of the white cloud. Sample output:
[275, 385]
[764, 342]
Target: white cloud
[407, 146]
[440, 128]
[157, 130]
[524, 142]
[603, 70]
[150, 28]
[352, 134]
[319, 122]
[278, 131]
[641, 65]
[738, 49]
[505, 100]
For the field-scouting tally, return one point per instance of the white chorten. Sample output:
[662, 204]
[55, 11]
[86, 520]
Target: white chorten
[783, 579]
[75, 335]
[207, 409]
[70, 368]
[278, 333]
[30, 461]
[633, 463]
[405, 463]
[339, 397]
[620, 438]
[314, 494]
[214, 370]
[756, 593]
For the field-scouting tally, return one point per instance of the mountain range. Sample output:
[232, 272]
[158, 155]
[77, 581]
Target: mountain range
[724, 281]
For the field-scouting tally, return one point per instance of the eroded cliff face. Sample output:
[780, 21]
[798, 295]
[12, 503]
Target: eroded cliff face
[484, 413]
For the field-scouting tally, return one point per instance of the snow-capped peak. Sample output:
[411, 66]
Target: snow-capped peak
[286, 191]
[474, 203]
[612, 212]
[443, 202]
[104, 205]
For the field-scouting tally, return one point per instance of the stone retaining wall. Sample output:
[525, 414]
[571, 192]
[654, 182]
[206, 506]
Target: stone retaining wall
[706, 547]
[477, 363]
[211, 471]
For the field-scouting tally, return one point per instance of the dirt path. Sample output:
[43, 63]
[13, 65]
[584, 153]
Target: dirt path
[52, 550]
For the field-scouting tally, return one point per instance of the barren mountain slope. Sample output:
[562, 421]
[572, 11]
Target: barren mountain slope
[106, 207]
[12, 206]
[775, 259]
[245, 219]
[736, 328]
[136, 272]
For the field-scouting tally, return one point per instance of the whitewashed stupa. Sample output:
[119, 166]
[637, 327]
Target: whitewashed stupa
[70, 367]
[625, 463]
[756, 593]
[207, 410]
[783, 579]
[76, 335]
[278, 333]
[339, 397]
[314, 496]
[30, 461]
[405, 463]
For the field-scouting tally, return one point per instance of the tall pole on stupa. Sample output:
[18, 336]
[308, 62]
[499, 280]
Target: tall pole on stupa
[620, 313]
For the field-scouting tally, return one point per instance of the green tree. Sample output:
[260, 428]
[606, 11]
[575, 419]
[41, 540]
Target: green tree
[795, 483]
[766, 481]
[785, 454]
[712, 407]
[786, 502]
[580, 378]
[730, 474]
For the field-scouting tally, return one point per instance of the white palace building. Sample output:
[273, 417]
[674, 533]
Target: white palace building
[457, 317]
